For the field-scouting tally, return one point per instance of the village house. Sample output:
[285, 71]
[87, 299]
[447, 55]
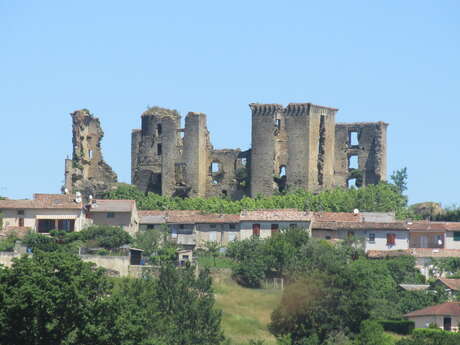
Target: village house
[445, 316]
[151, 219]
[264, 223]
[121, 213]
[45, 212]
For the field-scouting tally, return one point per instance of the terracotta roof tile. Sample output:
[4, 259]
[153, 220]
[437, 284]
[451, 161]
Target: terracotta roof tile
[196, 217]
[453, 284]
[276, 215]
[337, 217]
[447, 309]
[43, 201]
[105, 205]
[358, 226]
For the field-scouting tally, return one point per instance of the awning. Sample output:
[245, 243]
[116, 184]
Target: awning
[57, 216]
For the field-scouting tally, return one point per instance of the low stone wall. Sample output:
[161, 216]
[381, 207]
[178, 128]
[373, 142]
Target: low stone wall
[115, 263]
[6, 258]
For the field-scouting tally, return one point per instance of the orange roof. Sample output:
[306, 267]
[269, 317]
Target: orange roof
[43, 201]
[358, 226]
[337, 217]
[280, 215]
[444, 309]
[195, 216]
[453, 284]
[433, 226]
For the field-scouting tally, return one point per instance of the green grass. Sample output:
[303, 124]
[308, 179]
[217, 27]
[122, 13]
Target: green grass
[220, 262]
[246, 312]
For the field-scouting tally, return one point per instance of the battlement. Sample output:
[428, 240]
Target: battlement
[265, 109]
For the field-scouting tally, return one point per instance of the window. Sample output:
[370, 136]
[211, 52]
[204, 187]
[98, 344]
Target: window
[212, 236]
[159, 150]
[277, 123]
[150, 226]
[21, 222]
[456, 235]
[351, 183]
[328, 237]
[371, 238]
[90, 154]
[20, 212]
[159, 129]
[282, 171]
[256, 230]
[350, 234]
[391, 239]
[231, 226]
[292, 226]
[110, 215]
[353, 138]
[212, 226]
[353, 162]
[275, 228]
[181, 226]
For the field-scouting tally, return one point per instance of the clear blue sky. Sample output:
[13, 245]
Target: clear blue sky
[395, 61]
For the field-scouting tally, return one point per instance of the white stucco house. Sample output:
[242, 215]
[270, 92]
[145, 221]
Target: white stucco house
[45, 212]
[446, 316]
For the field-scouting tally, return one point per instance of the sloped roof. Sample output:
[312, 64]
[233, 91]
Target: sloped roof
[43, 201]
[197, 217]
[447, 309]
[433, 226]
[278, 215]
[414, 287]
[337, 217]
[105, 205]
[380, 254]
[152, 217]
[358, 226]
[453, 284]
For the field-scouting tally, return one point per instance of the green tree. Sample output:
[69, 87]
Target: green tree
[212, 249]
[399, 179]
[371, 333]
[186, 307]
[52, 298]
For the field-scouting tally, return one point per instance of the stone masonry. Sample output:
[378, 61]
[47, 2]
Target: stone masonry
[295, 147]
[87, 172]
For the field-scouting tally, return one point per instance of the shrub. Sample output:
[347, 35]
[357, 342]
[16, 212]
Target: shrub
[403, 327]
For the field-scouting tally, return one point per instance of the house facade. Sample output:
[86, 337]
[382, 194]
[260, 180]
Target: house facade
[121, 213]
[445, 316]
[45, 212]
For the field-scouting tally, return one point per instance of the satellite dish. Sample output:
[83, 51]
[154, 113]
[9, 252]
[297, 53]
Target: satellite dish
[355, 211]
[66, 191]
[90, 197]
[78, 199]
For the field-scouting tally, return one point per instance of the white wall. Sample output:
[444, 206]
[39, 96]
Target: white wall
[11, 217]
[424, 321]
[449, 241]
[265, 228]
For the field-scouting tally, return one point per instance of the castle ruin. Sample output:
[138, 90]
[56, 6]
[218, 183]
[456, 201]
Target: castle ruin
[87, 172]
[295, 147]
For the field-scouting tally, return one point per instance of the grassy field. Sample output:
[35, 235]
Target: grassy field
[246, 312]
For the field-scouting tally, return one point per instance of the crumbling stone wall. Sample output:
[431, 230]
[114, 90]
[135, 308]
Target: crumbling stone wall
[295, 147]
[87, 172]
[369, 148]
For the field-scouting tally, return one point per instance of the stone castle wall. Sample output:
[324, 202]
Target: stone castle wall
[299, 146]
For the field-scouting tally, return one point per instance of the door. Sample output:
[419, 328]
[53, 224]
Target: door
[423, 241]
[447, 323]
[256, 230]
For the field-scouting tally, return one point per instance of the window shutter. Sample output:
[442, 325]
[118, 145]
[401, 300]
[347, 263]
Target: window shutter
[456, 235]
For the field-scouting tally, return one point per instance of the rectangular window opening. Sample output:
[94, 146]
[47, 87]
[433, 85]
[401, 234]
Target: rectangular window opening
[353, 138]
[371, 238]
[353, 162]
[351, 183]
[159, 150]
[275, 228]
[391, 239]
[110, 215]
[256, 230]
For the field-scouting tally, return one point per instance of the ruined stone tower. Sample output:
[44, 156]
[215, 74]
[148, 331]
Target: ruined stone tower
[295, 147]
[169, 160]
[87, 172]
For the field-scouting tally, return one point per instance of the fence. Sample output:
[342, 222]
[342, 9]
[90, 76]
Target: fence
[273, 283]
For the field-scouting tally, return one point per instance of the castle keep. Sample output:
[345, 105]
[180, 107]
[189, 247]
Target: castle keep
[295, 147]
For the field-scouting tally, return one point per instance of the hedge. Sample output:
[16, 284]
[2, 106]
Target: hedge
[403, 327]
